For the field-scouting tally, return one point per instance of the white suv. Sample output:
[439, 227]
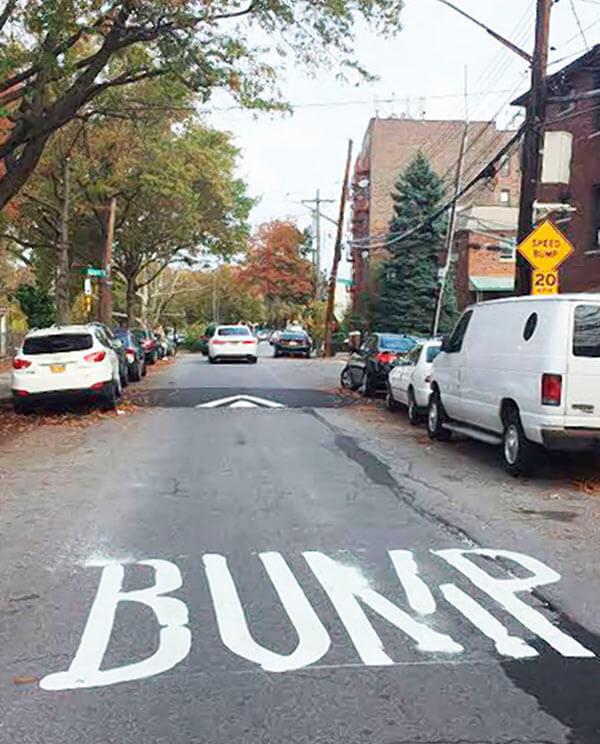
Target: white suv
[65, 362]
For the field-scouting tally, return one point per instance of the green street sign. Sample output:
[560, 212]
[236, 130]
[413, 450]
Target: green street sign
[90, 271]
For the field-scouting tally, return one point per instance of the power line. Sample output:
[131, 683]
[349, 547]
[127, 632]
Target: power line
[581, 31]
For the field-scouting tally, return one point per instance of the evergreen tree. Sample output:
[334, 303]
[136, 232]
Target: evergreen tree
[409, 278]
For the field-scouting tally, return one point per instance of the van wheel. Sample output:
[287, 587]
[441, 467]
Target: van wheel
[436, 416]
[413, 411]
[518, 452]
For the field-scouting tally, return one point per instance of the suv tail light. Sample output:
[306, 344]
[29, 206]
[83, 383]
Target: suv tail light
[97, 356]
[386, 357]
[21, 363]
[551, 389]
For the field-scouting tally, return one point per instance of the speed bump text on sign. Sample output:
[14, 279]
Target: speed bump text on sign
[544, 282]
[546, 247]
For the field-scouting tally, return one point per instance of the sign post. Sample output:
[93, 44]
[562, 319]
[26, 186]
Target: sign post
[545, 249]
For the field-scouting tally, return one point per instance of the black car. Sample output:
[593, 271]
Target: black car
[108, 338]
[368, 367]
[292, 342]
[135, 355]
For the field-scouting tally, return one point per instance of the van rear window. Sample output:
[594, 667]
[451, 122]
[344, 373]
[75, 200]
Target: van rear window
[57, 342]
[586, 331]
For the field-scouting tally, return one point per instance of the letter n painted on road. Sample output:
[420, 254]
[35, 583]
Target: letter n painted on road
[171, 613]
[345, 585]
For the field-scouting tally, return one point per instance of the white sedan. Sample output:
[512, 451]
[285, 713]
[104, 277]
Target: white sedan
[66, 362]
[232, 342]
[408, 381]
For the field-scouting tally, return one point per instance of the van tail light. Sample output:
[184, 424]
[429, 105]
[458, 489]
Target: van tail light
[551, 389]
[21, 363]
[97, 356]
[130, 354]
[386, 357]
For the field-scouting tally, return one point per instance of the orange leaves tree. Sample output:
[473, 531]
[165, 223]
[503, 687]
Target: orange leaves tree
[278, 269]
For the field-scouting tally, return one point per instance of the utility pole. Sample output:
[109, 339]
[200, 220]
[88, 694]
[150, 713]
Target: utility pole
[317, 201]
[452, 221]
[105, 302]
[337, 254]
[534, 139]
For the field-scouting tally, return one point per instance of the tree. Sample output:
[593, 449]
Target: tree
[57, 58]
[409, 278]
[277, 268]
[36, 304]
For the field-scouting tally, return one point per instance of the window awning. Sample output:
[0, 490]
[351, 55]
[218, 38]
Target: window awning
[492, 283]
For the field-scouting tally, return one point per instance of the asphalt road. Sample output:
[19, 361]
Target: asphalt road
[285, 567]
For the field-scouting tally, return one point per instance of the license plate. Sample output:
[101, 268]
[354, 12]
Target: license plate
[293, 343]
[57, 368]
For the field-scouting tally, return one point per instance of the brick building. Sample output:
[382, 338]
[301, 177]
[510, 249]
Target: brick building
[389, 145]
[575, 183]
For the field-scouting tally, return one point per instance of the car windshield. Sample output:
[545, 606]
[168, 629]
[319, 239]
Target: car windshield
[431, 353]
[234, 331]
[121, 332]
[293, 336]
[390, 342]
[57, 342]
[586, 331]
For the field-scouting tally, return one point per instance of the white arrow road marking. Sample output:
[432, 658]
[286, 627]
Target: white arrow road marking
[241, 401]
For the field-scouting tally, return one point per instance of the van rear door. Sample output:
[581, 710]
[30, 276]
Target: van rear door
[582, 388]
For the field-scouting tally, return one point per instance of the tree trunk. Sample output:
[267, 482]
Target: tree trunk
[131, 301]
[63, 299]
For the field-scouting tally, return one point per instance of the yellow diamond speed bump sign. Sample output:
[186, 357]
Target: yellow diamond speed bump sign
[546, 247]
[544, 282]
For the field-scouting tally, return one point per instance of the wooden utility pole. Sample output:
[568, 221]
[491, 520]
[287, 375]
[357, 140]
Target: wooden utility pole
[534, 139]
[105, 302]
[63, 299]
[452, 221]
[337, 254]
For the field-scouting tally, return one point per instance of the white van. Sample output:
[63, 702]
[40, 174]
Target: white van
[521, 372]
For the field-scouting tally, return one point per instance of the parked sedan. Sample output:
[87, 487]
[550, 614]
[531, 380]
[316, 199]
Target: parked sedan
[368, 368]
[408, 381]
[134, 353]
[148, 343]
[65, 363]
[291, 343]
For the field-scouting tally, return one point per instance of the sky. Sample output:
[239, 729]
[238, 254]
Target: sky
[285, 159]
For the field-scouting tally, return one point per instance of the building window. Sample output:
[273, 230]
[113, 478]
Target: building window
[505, 197]
[595, 242]
[505, 165]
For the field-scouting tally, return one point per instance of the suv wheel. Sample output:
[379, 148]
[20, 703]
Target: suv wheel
[436, 416]
[518, 452]
[109, 401]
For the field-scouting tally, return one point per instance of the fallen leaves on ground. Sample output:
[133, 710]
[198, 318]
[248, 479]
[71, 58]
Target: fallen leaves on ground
[81, 416]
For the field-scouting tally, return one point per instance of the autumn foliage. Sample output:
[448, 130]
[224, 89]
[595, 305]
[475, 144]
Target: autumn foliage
[276, 266]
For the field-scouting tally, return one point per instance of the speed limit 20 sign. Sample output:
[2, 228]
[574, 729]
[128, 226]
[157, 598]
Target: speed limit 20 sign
[544, 282]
